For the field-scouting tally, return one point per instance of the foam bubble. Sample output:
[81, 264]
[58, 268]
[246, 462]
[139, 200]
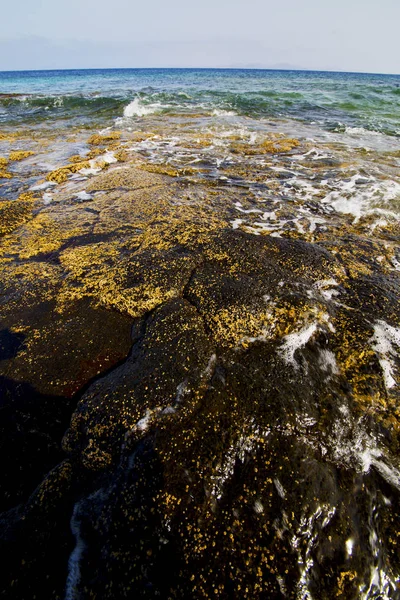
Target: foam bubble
[359, 196]
[217, 112]
[137, 109]
[383, 341]
[295, 341]
[349, 547]
[84, 196]
[47, 198]
[360, 131]
[42, 186]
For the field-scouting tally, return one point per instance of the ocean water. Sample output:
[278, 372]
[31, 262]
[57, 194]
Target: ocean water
[333, 101]
[340, 119]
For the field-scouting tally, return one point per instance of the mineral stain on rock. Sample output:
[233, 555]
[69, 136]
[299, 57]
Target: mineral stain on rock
[193, 410]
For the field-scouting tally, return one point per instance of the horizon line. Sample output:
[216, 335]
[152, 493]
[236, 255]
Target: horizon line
[285, 69]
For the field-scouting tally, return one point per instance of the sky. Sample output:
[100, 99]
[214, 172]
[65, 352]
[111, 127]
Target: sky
[344, 35]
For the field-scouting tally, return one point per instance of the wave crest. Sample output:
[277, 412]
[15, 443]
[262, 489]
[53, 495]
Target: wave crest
[137, 109]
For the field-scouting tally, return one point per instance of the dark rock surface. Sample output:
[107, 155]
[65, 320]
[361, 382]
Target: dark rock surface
[239, 440]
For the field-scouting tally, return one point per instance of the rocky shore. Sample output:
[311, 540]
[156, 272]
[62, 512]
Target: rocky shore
[190, 410]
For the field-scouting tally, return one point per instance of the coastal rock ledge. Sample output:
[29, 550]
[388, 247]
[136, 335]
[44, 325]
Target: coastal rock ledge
[194, 411]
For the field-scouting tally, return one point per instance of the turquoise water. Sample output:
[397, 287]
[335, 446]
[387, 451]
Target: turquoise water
[334, 101]
[212, 124]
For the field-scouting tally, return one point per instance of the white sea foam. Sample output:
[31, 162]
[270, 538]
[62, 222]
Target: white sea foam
[270, 216]
[237, 451]
[279, 488]
[383, 342]
[75, 559]
[395, 263]
[327, 362]
[304, 541]
[236, 223]
[349, 547]
[42, 186]
[137, 109]
[239, 207]
[357, 131]
[93, 169]
[313, 154]
[74, 570]
[83, 196]
[326, 288]
[108, 157]
[295, 341]
[90, 171]
[144, 423]
[360, 196]
[217, 112]
[47, 198]
[58, 102]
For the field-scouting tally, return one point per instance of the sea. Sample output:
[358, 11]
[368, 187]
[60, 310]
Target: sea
[212, 121]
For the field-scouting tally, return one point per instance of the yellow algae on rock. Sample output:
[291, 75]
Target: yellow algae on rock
[130, 178]
[97, 271]
[6, 137]
[231, 325]
[160, 169]
[94, 153]
[141, 136]
[43, 235]
[98, 140]
[60, 175]
[277, 145]
[76, 158]
[4, 174]
[20, 154]
[121, 155]
[15, 212]
[280, 145]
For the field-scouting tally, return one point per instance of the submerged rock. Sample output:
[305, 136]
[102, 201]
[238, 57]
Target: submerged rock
[242, 443]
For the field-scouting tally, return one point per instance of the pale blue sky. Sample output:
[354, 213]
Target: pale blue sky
[353, 35]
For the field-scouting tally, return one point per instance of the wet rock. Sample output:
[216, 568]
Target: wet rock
[240, 441]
